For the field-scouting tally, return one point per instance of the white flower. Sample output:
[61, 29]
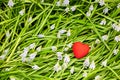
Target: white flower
[116, 27]
[58, 3]
[12, 78]
[118, 6]
[92, 65]
[30, 19]
[36, 67]
[54, 48]
[32, 56]
[38, 49]
[66, 58]
[58, 35]
[85, 74]
[41, 35]
[88, 13]
[62, 31]
[23, 55]
[86, 62]
[115, 51]
[117, 38]
[52, 26]
[2, 57]
[103, 22]
[104, 63]
[22, 12]
[7, 34]
[66, 49]
[97, 41]
[105, 10]
[97, 77]
[42, 1]
[68, 33]
[67, 10]
[59, 55]
[91, 8]
[57, 67]
[72, 70]
[73, 8]
[26, 50]
[69, 45]
[10, 3]
[64, 65]
[101, 2]
[105, 37]
[31, 46]
[66, 2]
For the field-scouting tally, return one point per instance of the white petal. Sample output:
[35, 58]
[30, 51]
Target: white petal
[66, 58]
[105, 37]
[41, 35]
[10, 3]
[73, 8]
[54, 48]
[86, 62]
[52, 26]
[91, 7]
[22, 12]
[72, 70]
[35, 67]
[92, 65]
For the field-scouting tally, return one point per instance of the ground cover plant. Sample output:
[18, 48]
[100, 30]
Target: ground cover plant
[36, 38]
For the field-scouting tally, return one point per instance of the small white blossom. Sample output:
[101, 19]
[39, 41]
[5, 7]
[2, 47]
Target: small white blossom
[58, 35]
[91, 8]
[31, 46]
[42, 1]
[64, 65]
[86, 62]
[58, 3]
[66, 2]
[62, 31]
[66, 58]
[105, 11]
[57, 67]
[92, 65]
[36, 67]
[67, 10]
[85, 74]
[38, 49]
[97, 41]
[101, 2]
[59, 55]
[26, 50]
[23, 55]
[66, 49]
[68, 33]
[105, 37]
[97, 77]
[73, 8]
[41, 35]
[116, 26]
[30, 19]
[69, 45]
[52, 26]
[118, 6]
[88, 13]
[22, 12]
[32, 56]
[10, 3]
[2, 57]
[117, 38]
[12, 78]
[54, 48]
[104, 63]
[115, 51]
[72, 70]
[103, 22]
[7, 34]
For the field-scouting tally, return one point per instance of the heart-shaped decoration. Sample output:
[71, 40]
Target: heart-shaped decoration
[80, 49]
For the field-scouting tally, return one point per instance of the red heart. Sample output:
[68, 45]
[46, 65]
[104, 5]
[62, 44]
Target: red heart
[80, 49]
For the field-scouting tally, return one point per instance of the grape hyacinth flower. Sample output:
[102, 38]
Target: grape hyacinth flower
[105, 11]
[57, 67]
[54, 48]
[104, 63]
[92, 65]
[36, 67]
[115, 51]
[86, 62]
[22, 12]
[11, 3]
[66, 59]
[72, 70]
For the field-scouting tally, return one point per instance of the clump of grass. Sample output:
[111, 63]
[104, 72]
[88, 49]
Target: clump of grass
[36, 39]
